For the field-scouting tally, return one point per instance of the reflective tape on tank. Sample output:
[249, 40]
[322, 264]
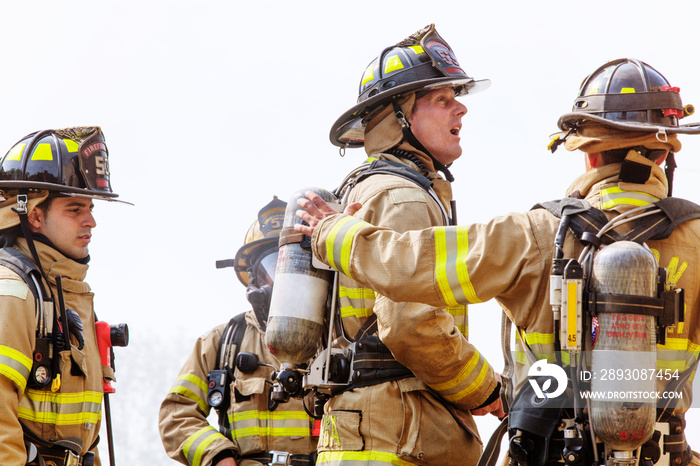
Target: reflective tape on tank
[15, 365]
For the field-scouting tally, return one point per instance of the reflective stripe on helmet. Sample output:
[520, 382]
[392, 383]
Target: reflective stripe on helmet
[42, 152]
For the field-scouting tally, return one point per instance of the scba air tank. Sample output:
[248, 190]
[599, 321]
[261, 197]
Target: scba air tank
[295, 325]
[624, 354]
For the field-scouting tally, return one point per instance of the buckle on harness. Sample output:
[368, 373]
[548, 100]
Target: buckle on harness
[280, 458]
[21, 204]
[71, 459]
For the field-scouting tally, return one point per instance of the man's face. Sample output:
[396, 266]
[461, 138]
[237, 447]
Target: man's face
[67, 224]
[436, 122]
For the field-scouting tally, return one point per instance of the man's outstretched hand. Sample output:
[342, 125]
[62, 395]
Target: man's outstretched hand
[315, 210]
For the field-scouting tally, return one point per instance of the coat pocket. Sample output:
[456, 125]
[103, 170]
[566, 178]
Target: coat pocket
[340, 430]
[246, 414]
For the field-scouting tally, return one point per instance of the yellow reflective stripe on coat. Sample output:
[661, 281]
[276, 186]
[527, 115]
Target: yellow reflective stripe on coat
[339, 243]
[356, 302]
[62, 409]
[359, 458]
[614, 196]
[460, 314]
[541, 345]
[15, 365]
[451, 249]
[270, 424]
[198, 442]
[192, 387]
[677, 354]
[472, 375]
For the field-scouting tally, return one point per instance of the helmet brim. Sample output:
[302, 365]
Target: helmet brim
[571, 120]
[62, 189]
[349, 129]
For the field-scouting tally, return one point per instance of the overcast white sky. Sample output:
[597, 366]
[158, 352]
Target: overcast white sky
[211, 107]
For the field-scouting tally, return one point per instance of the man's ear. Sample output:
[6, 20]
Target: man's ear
[35, 218]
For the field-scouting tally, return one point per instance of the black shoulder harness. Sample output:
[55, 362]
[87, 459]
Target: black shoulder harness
[22, 266]
[220, 378]
[387, 167]
[585, 218]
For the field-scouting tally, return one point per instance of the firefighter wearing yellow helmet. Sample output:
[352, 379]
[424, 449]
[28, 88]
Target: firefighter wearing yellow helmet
[253, 429]
[51, 374]
[626, 121]
[403, 405]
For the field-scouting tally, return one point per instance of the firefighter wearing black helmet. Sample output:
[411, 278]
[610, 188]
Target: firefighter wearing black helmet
[407, 409]
[51, 374]
[626, 122]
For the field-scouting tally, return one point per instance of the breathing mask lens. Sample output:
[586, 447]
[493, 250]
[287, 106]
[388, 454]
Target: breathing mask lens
[264, 268]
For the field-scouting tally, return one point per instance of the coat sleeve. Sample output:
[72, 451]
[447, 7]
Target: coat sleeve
[182, 420]
[446, 362]
[507, 259]
[17, 336]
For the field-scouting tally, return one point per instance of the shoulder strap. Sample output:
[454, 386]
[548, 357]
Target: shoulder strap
[677, 211]
[586, 218]
[229, 346]
[22, 266]
[230, 342]
[387, 167]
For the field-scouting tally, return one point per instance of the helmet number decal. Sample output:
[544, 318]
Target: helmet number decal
[101, 165]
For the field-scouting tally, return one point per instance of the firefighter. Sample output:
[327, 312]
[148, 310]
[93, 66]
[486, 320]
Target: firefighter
[411, 402]
[625, 121]
[251, 431]
[51, 374]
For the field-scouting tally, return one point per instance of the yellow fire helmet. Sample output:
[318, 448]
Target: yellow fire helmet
[261, 239]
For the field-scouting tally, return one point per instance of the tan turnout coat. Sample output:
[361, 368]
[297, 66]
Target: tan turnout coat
[509, 259]
[187, 435]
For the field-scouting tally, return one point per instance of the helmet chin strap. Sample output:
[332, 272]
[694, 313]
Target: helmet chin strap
[411, 138]
[669, 169]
